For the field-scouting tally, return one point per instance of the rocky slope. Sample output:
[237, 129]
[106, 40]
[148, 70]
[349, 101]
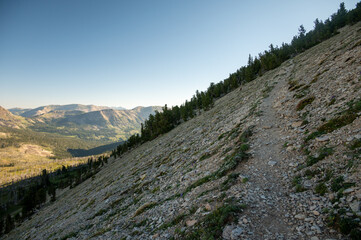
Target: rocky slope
[277, 159]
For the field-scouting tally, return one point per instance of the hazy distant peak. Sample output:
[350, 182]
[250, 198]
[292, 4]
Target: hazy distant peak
[69, 107]
[118, 108]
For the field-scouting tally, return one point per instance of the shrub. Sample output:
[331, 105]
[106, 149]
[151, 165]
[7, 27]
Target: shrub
[347, 225]
[205, 156]
[229, 164]
[321, 189]
[294, 85]
[300, 188]
[212, 225]
[346, 118]
[337, 183]
[1, 225]
[296, 180]
[324, 152]
[355, 144]
[244, 147]
[310, 174]
[69, 235]
[246, 135]
[313, 135]
[9, 224]
[232, 179]
[174, 222]
[337, 122]
[144, 207]
[304, 102]
[355, 234]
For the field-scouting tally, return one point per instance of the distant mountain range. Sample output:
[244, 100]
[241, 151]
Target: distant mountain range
[28, 112]
[101, 124]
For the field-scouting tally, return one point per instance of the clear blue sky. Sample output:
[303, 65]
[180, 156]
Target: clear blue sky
[131, 53]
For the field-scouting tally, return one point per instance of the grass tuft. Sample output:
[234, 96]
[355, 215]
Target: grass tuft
[212, 225]
[304, 102]
[321, 189]
[337, 122]
[144, 207]
[323, 152]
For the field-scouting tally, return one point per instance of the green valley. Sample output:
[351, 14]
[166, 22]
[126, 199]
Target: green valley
[51, 136]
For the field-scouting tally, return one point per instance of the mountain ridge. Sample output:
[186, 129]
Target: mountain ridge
[82, 121]
[48, 108]
[33, 112]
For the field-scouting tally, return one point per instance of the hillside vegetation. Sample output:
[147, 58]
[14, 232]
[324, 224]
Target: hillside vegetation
[25, 153]
[64, 131]
[29, 161]
[86, 122]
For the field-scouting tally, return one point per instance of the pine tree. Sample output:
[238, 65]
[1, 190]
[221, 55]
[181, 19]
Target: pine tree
[341, 16]
[52, 192]
[301, 31]
[354, 15]
[9, 224]
[45, 178]
[249, 70]
[1, 225]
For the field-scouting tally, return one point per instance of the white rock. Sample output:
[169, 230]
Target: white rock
[190, 223]
[236, 233]
[227, 231]
[308, 183]
[323, 138]
[297, 124]
[208, 207]
[355, 206]
[300, 216]
[289, 148]
[348, 190]
[293, 164]
[316, 228]
[316, 213]
[272, 163]
[349, 139]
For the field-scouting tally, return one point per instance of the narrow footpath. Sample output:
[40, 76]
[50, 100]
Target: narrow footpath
[271, 203]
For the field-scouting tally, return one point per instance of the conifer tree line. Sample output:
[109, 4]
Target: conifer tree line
[162, 122]
[27, 199]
